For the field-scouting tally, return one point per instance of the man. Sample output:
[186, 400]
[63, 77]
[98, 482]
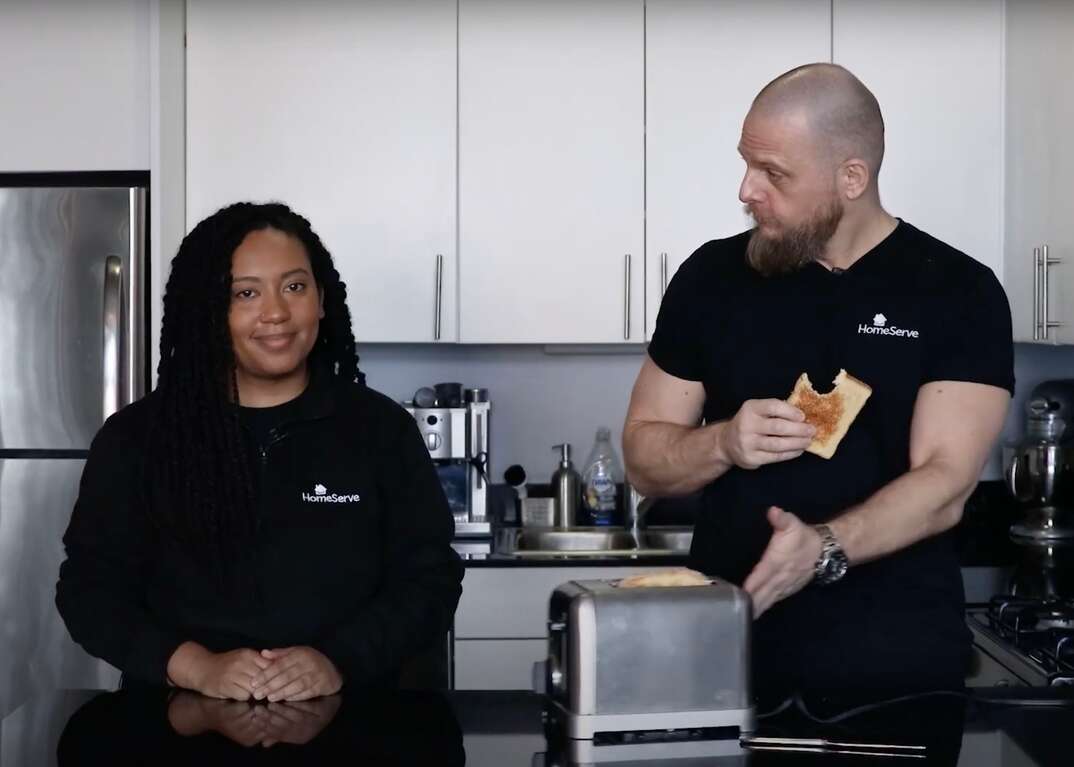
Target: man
[821, 283]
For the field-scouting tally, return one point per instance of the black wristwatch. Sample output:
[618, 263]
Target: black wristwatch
[832, 563]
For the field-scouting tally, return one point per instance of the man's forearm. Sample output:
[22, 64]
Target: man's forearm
[665, 459]
[922, 503]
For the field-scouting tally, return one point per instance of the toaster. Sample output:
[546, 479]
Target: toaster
[643, 659]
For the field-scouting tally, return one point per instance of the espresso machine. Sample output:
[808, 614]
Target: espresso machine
[1040, 469]
[454, 423]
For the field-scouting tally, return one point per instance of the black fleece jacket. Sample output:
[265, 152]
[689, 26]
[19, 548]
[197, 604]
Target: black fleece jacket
[352, 554]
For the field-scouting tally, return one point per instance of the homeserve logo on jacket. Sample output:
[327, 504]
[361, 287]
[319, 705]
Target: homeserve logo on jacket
[880, 327]
[321, 495]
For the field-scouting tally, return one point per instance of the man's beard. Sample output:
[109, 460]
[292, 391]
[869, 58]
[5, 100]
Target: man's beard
[793, 248]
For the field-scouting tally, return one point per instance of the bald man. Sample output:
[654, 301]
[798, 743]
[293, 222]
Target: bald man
[855, 585]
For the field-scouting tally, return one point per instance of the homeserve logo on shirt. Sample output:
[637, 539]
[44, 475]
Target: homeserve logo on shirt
[321, 495]
[880, 327]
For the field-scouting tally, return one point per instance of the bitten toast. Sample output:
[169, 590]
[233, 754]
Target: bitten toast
[832, 413]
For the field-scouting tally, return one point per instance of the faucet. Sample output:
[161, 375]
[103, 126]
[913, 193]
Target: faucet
[634, 513]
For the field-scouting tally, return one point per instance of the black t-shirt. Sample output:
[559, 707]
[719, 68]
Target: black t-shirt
[910, 311]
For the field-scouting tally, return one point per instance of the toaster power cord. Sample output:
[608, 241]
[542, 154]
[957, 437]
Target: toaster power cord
[797, 701]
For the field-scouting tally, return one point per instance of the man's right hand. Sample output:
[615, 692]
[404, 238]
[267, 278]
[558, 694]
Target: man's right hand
[217, 675]
[764, 431]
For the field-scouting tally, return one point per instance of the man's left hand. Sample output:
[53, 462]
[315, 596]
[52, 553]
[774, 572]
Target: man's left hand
[296, 673]
[787, 563]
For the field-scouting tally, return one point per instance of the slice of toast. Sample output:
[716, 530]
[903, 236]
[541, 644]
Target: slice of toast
[679, 577]
[830, 413]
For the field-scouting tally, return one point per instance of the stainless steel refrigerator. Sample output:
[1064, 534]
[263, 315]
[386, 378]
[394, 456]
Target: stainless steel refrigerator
[73, 276]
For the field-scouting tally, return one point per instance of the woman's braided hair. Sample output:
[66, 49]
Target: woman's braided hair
[200, 479]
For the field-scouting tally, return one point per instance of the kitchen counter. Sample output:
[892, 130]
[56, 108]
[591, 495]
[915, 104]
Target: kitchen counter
[482, 729]
[575, 560]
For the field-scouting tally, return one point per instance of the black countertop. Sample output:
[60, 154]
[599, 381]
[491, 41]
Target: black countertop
[487, 729]
[589, 560]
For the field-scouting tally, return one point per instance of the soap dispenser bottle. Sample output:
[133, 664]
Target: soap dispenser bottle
[601, 478]
[566, 489]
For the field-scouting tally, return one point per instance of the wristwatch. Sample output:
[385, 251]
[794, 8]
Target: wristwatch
[832, 563]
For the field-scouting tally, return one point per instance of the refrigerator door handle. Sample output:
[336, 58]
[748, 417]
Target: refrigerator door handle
[110, 320]
[133, 343]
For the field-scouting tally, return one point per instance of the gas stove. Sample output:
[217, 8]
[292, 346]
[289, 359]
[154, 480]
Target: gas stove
[1032, 638]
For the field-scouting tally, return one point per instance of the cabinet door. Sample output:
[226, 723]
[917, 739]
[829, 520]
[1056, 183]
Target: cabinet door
[551, 171]
[348, 115]
[704, 64]
[1040, 163]
[75, 90]
[497, 664]
[936, 67]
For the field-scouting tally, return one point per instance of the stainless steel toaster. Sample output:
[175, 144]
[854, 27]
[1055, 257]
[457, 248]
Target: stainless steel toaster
[637, 659]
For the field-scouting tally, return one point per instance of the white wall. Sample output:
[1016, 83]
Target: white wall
[74, 93]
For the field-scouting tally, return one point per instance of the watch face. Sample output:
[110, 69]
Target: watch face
[834, 568]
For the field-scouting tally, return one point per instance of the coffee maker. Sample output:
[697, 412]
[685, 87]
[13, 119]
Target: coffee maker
[454, 424]
[1039, 470]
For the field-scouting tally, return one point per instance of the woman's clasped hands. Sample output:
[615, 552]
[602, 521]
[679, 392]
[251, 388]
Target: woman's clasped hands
[284, 674]
[295, 673]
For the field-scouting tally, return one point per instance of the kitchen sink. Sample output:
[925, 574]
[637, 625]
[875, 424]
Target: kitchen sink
[677, 539]
[574, 539]
[593, 541]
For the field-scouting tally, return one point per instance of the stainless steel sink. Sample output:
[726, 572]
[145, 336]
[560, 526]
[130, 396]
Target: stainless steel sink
[590, 541]
[677, 539]
[573, 539]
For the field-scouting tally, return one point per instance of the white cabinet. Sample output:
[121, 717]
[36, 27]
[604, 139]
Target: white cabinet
[551, 171]
[346, 111]
[705, 62]
[500, 624]
[75, 88]
[1040, 164]
[497, 664]
[936, 67]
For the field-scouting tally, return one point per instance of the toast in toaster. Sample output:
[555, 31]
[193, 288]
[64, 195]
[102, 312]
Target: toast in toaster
[832, 413]
[678, 577]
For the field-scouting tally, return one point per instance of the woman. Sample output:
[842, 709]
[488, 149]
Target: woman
[262, 525]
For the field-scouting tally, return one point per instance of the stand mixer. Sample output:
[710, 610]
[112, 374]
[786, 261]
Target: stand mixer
[1039, 470]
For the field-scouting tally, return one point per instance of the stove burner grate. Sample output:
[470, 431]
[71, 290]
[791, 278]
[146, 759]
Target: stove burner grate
[1018, 617]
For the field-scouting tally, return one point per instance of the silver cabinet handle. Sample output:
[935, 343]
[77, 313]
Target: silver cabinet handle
[1036, 294]
[112, 310]
[626, 294]
[1046, 263]
[663, 274]
[439, 294]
